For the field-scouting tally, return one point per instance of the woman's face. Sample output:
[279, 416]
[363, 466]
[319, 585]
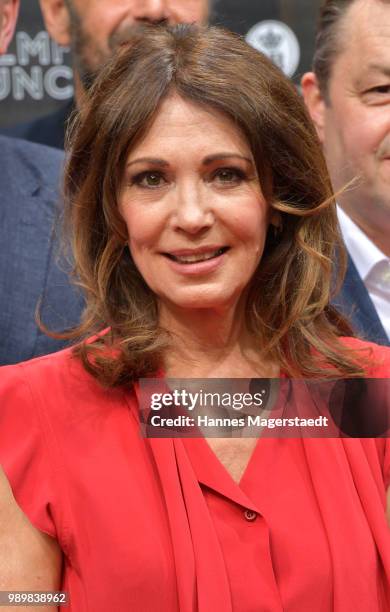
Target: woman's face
[195, 212]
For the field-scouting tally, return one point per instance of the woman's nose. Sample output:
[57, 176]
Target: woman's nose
[192, 212]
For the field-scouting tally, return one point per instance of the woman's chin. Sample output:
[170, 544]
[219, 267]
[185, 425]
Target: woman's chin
[204, 301]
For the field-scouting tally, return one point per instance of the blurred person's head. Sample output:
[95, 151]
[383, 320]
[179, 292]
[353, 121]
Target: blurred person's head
[93, 29]
[8, 15]
[196, 181]
[348, 96]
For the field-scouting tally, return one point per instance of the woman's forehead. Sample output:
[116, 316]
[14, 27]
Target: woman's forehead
[192, 127]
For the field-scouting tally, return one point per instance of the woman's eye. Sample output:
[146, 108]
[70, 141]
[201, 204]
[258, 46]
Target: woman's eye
[149, 180]
[229, 175]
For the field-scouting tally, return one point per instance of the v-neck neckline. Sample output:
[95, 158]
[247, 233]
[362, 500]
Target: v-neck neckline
[208, 468]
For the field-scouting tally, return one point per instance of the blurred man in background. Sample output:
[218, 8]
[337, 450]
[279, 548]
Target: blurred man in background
[348, 97]
[8, 16]
[93, 29]
[29, 181]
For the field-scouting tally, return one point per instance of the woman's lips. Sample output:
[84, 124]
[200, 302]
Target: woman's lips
[192, 257]
[200, 261]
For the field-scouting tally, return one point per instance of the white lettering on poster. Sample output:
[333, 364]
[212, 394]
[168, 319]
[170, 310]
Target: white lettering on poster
[35, 70]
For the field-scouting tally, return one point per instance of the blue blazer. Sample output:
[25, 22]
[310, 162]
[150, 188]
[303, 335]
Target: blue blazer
[48, 130]
[30, 267]
[354, 302]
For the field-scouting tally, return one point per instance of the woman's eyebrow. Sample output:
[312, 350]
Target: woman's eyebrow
[156, 161]
[217, 156]
[150, 160]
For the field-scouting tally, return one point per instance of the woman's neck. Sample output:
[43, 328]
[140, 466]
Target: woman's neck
[207, 343]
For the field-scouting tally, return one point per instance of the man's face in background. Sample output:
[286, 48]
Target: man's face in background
[353, 120]
[94, 28]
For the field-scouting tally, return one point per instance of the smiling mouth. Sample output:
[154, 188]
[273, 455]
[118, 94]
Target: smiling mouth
[197, 257]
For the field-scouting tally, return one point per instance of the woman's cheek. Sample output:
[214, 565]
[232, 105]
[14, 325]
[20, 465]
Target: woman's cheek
[144, 228]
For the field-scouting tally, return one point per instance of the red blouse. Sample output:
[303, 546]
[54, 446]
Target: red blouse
[159, 525]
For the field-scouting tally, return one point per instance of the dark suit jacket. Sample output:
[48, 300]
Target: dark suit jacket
[355, 303]
[48, 130]
[29, 266]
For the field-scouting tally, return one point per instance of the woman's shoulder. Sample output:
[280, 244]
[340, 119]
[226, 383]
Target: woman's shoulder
[50, 370]
[56, 379]
[377, 357]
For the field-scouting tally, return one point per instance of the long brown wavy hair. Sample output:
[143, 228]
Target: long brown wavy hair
[288, 307]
